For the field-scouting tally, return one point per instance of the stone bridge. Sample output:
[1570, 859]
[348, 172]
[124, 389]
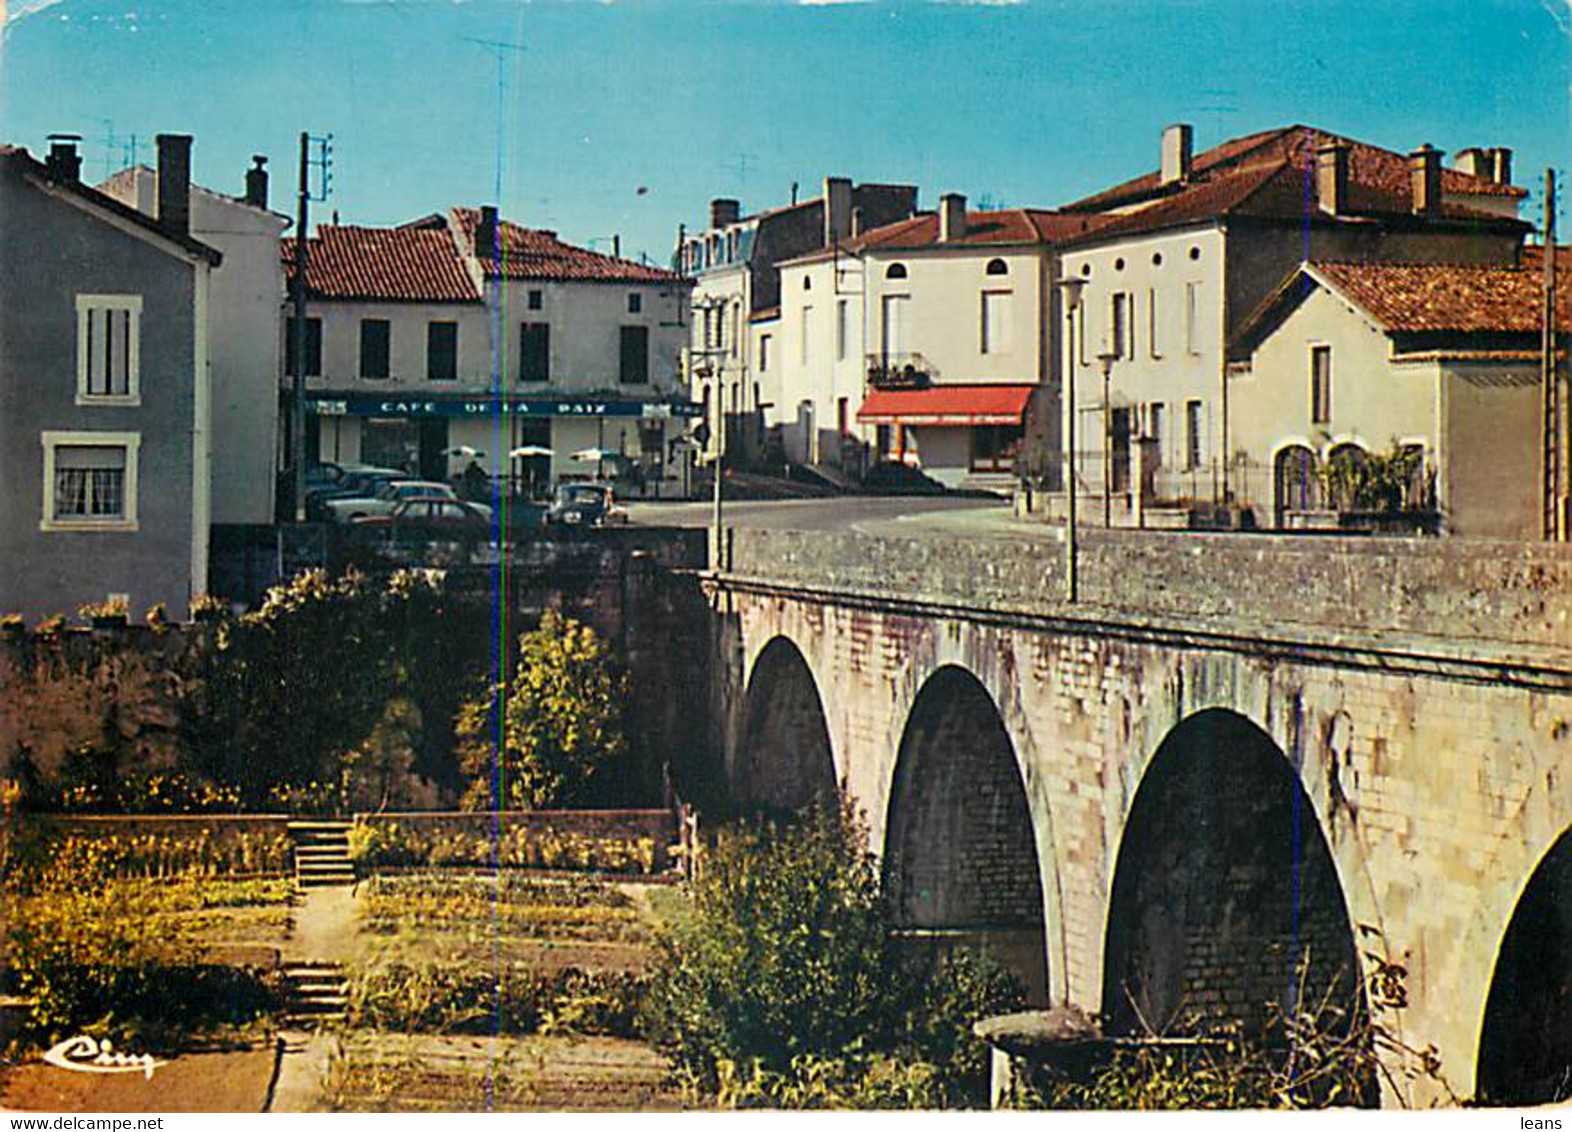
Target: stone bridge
[1240, 770]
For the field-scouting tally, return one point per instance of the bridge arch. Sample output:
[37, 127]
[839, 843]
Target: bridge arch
[961, 862]
[784, 761]
[1525, 1045]
[1225, 894]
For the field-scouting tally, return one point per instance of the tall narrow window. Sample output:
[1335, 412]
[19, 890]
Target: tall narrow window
[535, 351]
[1192, 341]
[1154, 428]
[635, 302]
[374, 342]
[1320, 384]
[1119, 325]
[764, 351]
[635, 367]
[108, 337]
[895, 324]
[736, 329]
[1151, 323]
[441, 351]
[1192, 435]
[996, 322]
[842, 329]
[313, 347]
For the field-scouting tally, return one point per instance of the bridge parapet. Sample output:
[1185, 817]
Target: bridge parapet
[1489, 592]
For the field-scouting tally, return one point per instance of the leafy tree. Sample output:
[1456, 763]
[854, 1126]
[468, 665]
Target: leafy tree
[539, 742]
[782, 985]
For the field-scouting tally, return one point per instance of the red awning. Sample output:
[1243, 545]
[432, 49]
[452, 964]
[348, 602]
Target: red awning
[948, 405]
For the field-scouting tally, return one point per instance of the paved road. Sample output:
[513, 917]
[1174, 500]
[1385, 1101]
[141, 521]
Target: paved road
[864, 514]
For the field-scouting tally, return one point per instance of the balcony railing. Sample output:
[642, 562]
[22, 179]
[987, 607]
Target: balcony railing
[900, 371]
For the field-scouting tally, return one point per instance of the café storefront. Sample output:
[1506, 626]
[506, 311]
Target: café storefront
[529, 441]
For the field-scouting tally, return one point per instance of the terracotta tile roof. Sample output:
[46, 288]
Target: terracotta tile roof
[1272, 175]
[948, 405]
[1429, 298]
[533, 253]
[983, 229]
[1296, 145]
[383, 264]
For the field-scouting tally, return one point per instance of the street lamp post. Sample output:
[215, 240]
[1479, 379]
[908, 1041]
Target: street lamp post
[1106, 360]
[1072, 289]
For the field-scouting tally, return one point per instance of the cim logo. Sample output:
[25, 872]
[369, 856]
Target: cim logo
[83, 1054]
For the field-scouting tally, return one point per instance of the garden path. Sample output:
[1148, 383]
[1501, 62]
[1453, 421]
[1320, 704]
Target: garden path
[324, 931]
[324, 928]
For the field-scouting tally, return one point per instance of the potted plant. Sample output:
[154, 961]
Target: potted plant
[158, 618]
[106, 614]
[206, 607]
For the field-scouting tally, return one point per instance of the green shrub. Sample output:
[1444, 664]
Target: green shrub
[101, 959]
[559, 722]
[782, 984]
[440, 999]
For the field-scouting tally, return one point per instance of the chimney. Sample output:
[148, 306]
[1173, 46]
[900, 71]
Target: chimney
[486, 232]
[1331, 178]
[1475, 162]
[1502, 171]
[837, 209]
[724, 212]
[174, 183]
[856, 229]
[256, 181]
[952, 217]
[1424, 171]
[63, 163]
[1176, 154]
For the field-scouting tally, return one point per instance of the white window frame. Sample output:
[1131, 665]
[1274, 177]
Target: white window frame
[996, 336]
[132, 304]
[842, 329]
[1192, 318]
[54, 440]
[1152, 328]
[805, 353]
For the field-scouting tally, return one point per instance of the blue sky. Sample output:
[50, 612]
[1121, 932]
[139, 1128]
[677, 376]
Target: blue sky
[628, 117]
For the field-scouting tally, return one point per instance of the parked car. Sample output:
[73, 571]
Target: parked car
[356, 482]
[585, 505]
[429, 517]
[388, 496]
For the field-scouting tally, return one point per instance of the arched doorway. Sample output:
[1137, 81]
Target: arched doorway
[1225, 897]
[960, 857]
[1525, 1047]
[785, 762]
[1294, 473]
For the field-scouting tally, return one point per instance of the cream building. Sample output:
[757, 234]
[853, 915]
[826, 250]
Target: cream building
[733, 358]
[1174, 260]
[461, 333]
[244, 316]
[925, 342]
[1346, 364]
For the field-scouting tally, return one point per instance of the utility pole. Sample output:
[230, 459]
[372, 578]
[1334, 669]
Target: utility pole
[1072, 289]
[298, 339]
[297, 401]
[1555, 430]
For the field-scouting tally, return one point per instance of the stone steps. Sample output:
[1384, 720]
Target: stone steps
[315, 994]
[321, 853]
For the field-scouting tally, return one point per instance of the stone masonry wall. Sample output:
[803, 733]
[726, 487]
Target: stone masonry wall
[1490, 591]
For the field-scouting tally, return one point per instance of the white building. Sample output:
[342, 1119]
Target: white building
[1184, 253]
[733, 358]
[462, 331]
[925, 342]
[243, 309]
[1348, 364]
